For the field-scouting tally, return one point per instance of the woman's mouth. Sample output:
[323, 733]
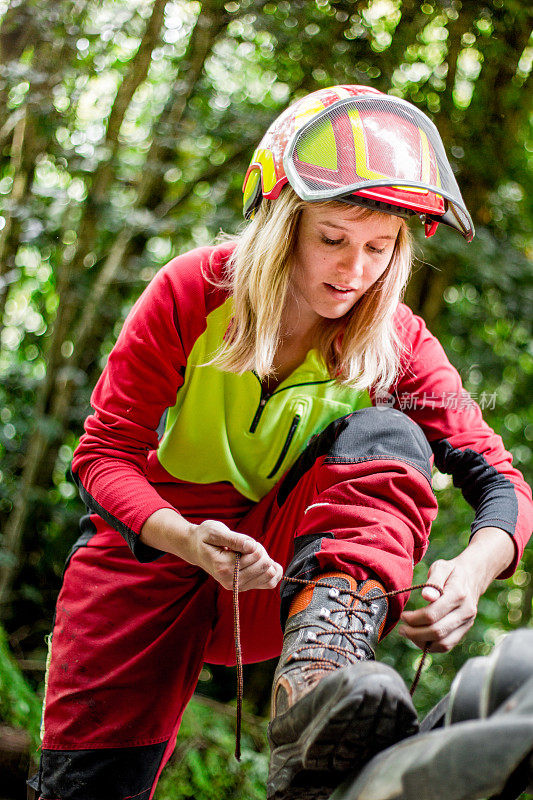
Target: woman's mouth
[339, 289]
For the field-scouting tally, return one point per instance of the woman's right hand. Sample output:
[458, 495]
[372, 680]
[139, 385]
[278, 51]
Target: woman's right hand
[212, 546]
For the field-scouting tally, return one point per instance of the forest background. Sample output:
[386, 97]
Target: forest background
[125, 130]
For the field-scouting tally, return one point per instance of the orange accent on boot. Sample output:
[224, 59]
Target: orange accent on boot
[303, 598]
[366, 587]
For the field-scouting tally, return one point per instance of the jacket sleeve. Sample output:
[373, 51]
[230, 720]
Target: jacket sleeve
[430, 391]
[143, 374]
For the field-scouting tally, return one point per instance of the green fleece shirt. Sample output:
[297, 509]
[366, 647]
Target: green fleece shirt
[223, 427]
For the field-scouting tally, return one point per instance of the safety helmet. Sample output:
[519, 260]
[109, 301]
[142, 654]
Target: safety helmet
[358, 145]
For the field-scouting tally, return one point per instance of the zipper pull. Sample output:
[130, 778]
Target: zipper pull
[260, 408]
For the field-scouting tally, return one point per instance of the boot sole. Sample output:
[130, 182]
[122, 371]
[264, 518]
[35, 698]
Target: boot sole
[362, 710]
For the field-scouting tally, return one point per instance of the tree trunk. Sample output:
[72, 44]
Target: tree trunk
[17, 31]
[27, 139]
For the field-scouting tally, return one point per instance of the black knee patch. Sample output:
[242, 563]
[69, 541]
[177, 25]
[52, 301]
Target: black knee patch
[104, 774]
[381, 433]
[366, 435]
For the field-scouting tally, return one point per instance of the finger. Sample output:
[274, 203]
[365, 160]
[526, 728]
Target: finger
[430, 594]
[222, 569]
[273, 576]
[256, 562]
[249, 559]
[439, 572]
[430, 614]
[437, 632]
[465, 610]
[261, 576]
[238, 542]
[453, 597]
[266, 573]
[449, 642]
[258, 582]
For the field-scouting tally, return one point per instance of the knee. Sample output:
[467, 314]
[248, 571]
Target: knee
[380, 433]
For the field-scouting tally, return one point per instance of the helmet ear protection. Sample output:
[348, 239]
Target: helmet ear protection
[360, 146]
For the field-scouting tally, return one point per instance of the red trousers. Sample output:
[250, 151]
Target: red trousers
[130, 639]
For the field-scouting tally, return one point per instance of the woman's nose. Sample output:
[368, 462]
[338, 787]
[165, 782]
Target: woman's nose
[353, 262]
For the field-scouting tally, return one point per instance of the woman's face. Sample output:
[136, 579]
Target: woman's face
[338, 257]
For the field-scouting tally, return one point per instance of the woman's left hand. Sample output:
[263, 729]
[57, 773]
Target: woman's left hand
[463, 580]
[448, 617]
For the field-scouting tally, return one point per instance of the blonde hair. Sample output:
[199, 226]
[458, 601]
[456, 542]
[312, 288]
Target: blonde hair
[361, 349]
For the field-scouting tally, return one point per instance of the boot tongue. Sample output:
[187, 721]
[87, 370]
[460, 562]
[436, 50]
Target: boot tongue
[325, 613]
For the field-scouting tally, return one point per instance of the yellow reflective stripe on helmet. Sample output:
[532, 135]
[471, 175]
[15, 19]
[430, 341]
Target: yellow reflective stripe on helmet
[251, 185]
[426, 161]
[265, 158]
[305, 111]
[410, 189]
[362, 168]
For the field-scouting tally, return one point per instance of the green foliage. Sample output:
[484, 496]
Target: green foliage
[203, 765]
[19, 706]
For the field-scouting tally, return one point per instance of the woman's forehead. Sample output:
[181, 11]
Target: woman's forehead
[348, 217]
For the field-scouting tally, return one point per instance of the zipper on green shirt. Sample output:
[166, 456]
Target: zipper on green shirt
[287, 444]
[265, 397]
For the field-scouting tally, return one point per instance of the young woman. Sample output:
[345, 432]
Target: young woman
[241, 411]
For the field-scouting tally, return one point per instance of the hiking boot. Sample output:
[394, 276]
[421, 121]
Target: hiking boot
[333, 706]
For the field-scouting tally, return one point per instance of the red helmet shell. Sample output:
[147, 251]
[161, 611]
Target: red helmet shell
[355, 143]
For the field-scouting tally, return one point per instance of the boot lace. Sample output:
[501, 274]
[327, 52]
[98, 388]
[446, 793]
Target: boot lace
[325, 663]
[361, 614]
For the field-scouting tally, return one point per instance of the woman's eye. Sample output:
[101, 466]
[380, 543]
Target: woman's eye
[326, 240]
[377, 250]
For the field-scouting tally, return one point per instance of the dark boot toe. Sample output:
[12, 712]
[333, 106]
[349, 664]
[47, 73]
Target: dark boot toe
[351, 715]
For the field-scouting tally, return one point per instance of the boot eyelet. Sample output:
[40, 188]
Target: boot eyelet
[374, 608]
[367, 628]
[324, 613]
[311, 636]
[333, 593]
[359, 653]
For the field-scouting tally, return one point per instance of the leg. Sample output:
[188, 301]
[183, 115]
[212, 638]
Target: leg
[359, 500]
[361, 504]
[127, 648]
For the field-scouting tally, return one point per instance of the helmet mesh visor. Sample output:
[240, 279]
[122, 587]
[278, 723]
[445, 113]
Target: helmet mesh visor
[362, 143]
